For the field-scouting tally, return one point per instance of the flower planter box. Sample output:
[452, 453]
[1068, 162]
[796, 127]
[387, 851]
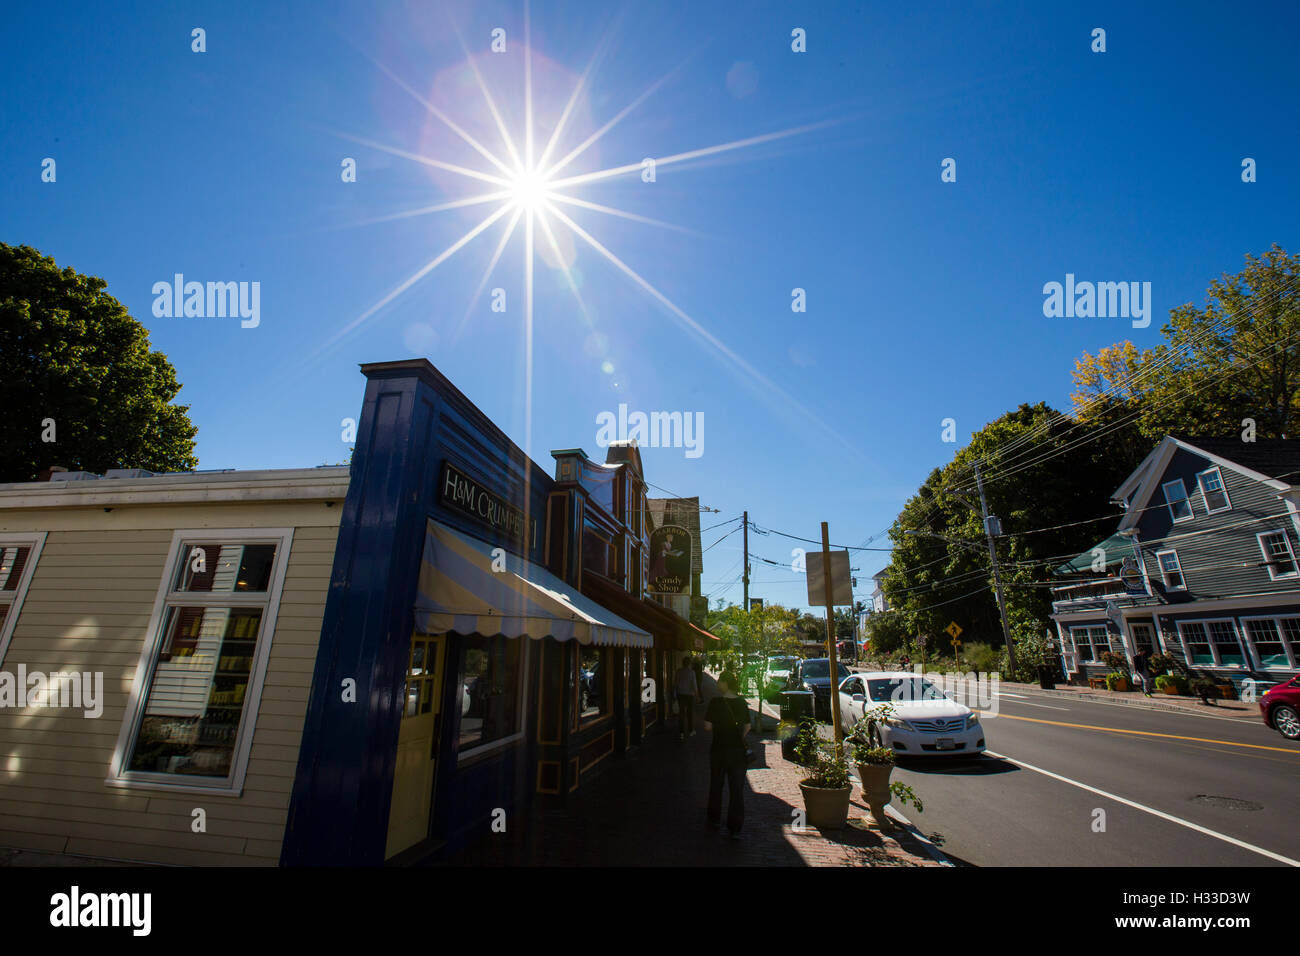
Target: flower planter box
[1168, 689]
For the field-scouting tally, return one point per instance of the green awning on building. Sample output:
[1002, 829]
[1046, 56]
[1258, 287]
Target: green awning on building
[1117, 548]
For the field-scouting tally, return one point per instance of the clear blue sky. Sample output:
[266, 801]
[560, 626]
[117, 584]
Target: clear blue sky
[924, 298]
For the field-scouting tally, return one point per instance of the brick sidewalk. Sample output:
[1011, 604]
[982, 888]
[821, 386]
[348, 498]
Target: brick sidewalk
[647, 809]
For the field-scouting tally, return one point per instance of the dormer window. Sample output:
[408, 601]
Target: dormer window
[1216, 496]
[1176, 497]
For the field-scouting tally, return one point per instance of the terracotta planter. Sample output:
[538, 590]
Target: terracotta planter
[1169, 689]
[875, 789]
[826, 809]
[1121, 684]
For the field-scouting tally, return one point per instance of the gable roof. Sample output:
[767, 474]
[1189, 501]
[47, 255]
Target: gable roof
[1269, 461]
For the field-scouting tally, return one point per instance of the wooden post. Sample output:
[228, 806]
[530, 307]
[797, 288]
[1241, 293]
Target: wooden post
[830, 639]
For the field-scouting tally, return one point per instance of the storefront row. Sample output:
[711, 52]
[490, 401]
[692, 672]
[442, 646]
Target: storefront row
[337, 667]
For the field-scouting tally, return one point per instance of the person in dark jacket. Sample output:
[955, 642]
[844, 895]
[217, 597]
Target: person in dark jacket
[728, 717]
[1142, 669]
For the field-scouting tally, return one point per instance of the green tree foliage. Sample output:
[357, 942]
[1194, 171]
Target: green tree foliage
[1236, 357]
[72, 353]
[941, 574]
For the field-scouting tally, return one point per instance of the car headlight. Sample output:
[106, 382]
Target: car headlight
[899, 722]
[972, 721]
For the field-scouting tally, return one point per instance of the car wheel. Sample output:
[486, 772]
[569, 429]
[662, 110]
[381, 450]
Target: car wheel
[1287, 722]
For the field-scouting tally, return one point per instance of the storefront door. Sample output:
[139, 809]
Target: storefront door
[417, 745]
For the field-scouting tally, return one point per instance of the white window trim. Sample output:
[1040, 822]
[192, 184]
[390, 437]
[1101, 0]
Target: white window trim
[518, 735]
[233, 784]
[1291, 657]
[1268, 558]
[1094, 655]
[1191, 512]
[35, 541]
[1214, 646]
[1223, 487]
[1164, 575]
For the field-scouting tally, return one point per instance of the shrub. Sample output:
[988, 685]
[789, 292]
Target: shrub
[1116, 662]
[1162, 664]
[1176, 681]
[981, 657]
[1113, 681]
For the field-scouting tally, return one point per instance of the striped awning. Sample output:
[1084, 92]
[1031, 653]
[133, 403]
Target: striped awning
[460, 591]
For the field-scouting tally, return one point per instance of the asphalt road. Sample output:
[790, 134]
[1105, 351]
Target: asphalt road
[1231, 777]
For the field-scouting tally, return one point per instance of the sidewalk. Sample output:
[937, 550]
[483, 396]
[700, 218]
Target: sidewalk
[1166, 702]
[647, 809]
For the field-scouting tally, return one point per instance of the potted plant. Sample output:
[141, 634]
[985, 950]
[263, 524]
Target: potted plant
[1205, 688]
[875, 763]
[1171, 684]
[826, 789]
[1116, 681]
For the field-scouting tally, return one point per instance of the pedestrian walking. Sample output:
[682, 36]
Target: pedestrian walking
[728, 718]
[698, 667]
[688, 690]
[1142, 669]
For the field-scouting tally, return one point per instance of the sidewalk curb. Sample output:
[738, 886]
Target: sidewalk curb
[1149, 704]
[935, 853]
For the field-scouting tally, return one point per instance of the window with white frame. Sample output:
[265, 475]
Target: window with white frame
[1278, 556]
[18, 554]
[202, 670]
[1274, 641]
[1212, 490]
[1210, 643]
[1090, 643]
[1180, 509]
[1170, 570]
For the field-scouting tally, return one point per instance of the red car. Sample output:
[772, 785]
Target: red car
[1280, 706]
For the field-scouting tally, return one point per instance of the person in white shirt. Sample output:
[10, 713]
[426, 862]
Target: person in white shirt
[687, 689]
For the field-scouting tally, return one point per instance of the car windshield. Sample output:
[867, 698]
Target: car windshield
[822, 668]
[780, 663]
[898, 689]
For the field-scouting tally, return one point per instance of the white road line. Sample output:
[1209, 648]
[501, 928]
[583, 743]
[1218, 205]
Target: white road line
[1003, 693]
[1151, 810]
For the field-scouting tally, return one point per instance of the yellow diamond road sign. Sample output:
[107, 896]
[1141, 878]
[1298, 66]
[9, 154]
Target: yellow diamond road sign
[953, 630]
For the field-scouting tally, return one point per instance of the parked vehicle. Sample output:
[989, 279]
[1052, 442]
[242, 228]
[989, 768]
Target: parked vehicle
[924, 722]
[1280, 706]
[778, 675]
[814, 675]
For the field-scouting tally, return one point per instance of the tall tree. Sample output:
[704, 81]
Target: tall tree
[1234, 358]
[75, 367]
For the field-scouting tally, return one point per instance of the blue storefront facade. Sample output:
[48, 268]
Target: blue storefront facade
[487, 640]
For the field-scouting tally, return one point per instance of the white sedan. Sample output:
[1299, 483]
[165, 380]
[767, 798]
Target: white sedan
[924, 722]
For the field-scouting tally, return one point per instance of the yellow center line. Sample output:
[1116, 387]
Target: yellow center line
[1147, 733]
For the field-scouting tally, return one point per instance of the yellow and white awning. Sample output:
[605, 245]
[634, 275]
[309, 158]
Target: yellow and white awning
[460, 591]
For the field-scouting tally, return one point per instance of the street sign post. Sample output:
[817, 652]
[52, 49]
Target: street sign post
[836, 588]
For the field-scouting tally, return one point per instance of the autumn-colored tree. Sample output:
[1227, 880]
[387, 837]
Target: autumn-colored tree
[1235, 358]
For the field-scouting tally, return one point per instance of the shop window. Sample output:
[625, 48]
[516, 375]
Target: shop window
[1176, 498]
[1278, 556]
[1266, 641]
[192, 724]
[1090, 643]
[595, 681]
[491, 681]
[597, 552]
[1216, 496]
[1291, 634]
[18, 554]
[1210, 643]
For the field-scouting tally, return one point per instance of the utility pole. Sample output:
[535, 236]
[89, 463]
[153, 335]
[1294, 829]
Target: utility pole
[997, 578]
[746, 562]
